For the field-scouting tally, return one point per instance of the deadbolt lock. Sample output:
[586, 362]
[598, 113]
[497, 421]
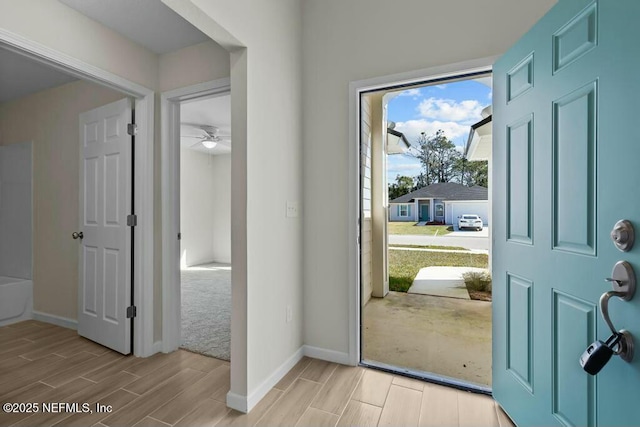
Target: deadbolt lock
[623, 235]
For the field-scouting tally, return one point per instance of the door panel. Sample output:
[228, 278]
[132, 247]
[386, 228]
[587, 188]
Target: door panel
[105, 201]
[565, 155]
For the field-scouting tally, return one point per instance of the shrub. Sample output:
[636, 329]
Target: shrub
[477, 281]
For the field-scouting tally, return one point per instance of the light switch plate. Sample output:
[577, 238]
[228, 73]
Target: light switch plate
[293, 209]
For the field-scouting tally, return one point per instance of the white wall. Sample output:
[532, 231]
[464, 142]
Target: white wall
[266, 93]
[365, 172]
[16, 219]
[345, 41]
[50, 120]
[53, 24]
[193, 64]
[196, 208]
[221, 220]
[205, 208]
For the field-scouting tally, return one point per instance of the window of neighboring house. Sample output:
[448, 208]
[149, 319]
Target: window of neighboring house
[403, 210]
[439, 209]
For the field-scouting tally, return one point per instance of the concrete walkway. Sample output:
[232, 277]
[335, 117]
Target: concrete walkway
[445, 336]
[442, 282]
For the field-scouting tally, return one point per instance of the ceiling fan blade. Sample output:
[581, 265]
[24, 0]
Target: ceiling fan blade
[195, 143]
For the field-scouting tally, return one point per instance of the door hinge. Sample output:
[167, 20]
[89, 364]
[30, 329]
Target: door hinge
[132, 311]
[132, 129]
[179, 236]
[132, 220]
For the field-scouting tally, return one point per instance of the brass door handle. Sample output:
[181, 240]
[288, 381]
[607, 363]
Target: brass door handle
[77, 235]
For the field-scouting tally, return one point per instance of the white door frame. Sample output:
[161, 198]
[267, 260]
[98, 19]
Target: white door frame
[356, 88]
[170, 168]
[143, 178]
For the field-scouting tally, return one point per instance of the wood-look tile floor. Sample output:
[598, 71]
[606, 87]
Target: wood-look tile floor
[42, 363]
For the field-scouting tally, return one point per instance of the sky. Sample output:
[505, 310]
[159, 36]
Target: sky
[452, 107]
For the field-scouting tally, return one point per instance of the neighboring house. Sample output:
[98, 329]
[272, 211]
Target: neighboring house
[442, 202]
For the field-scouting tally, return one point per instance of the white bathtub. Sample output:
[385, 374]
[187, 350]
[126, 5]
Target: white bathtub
[16, 300]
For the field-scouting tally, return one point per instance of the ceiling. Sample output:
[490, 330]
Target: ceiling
[21, 76]
[215, 111]
[149, 23]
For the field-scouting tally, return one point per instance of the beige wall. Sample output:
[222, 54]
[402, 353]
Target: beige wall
[345, 41]
[50, 119]
[199, 63]
[88, 41]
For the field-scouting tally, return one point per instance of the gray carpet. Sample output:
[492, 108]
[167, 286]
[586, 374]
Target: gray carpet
[206, 310]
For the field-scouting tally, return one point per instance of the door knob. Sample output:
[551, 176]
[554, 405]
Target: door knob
[77, 235]
[620, 343]
[623, 280]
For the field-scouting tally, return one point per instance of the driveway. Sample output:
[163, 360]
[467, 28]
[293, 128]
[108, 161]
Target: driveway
[465, 239]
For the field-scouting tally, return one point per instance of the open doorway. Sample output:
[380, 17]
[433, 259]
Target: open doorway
[70, 167]
[425, 224]
[205, 225]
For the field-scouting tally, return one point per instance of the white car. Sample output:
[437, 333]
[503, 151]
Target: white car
[470, 221]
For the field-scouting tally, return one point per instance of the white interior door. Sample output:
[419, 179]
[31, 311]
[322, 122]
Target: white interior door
[105, 201]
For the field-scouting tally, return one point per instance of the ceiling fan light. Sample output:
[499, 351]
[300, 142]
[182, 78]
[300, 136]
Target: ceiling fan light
[208, 143]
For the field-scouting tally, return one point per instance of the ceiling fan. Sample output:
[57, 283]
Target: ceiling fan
[210, 136]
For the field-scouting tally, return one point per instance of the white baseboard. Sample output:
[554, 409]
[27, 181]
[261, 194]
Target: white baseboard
[246, 403]
[237, 402]
[328, 355]
[56, 320]
[157, 347]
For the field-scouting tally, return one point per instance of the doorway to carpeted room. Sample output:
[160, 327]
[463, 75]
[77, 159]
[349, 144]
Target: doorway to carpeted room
[205, 225]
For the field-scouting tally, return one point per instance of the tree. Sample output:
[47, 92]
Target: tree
[442, 162]
[471, 173]
[438, 156]
[402, 186]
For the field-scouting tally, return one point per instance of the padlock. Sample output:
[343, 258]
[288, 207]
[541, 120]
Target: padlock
[598, 354]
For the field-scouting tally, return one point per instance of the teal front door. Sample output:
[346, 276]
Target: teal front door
[424, 212]
[566, 154]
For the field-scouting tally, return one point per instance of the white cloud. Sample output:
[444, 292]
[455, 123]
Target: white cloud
[448, 110]
[441, 86]
[490, 95]
[413, 128]
[411, 92]
[400, 166]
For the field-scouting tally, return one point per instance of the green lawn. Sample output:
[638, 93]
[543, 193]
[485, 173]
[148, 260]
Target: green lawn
[411, 228]
[457, 248]
[404, 265]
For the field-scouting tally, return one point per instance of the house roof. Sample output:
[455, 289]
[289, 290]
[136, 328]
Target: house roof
[445, 191]
[396, 142]
[479, 142]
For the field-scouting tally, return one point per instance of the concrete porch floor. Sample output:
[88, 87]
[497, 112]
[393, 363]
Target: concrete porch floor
[445, 336]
